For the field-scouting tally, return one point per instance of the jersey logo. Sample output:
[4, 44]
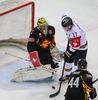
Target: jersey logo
[34, 60]
[75, 42]
[45, 43]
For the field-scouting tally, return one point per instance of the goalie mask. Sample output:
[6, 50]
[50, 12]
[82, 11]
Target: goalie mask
[42, 24]
[82, 64]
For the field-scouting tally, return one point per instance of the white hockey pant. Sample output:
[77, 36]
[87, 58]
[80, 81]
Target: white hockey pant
[68, 68]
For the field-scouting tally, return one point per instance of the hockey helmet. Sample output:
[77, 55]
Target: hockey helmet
[42, 22]
[82, 63]
[66, 22]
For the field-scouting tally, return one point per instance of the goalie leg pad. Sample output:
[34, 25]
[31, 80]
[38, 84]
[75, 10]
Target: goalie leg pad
[28, 74]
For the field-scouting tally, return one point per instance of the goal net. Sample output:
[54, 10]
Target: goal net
[16, 22]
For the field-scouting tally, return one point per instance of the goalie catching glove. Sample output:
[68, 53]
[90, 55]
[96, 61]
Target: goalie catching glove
[55, 52]
[35, 59]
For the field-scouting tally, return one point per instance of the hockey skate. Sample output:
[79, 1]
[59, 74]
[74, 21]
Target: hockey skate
[55, 66]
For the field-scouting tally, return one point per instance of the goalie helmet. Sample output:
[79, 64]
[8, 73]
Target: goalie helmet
[42, 22]
[82, 63]
[66, 22]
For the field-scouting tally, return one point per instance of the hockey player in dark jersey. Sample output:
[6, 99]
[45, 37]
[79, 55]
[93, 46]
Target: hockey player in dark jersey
[80, 85]
[40, 42]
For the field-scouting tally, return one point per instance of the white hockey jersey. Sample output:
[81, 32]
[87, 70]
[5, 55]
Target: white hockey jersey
[77, 38]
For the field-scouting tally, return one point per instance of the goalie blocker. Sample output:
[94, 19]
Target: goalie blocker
[35, 59]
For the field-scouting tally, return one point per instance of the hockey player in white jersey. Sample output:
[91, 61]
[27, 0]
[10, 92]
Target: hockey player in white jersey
[77, 44]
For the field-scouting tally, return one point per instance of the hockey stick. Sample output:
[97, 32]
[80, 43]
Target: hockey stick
[95, 81]
[55, 94]
[16, 56]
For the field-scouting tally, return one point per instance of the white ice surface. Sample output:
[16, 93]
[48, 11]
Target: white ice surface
[85, 13]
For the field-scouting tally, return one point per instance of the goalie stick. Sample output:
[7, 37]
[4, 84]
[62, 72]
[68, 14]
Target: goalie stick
[55, 94]
[56, 58]
[17, 56]
[52, 70]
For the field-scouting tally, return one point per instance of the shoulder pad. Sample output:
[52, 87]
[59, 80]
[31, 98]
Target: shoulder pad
[31, 31]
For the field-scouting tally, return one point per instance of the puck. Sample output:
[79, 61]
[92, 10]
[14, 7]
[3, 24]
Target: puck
[53, 87]
[12, 80]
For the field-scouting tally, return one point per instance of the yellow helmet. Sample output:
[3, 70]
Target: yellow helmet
[42, 22]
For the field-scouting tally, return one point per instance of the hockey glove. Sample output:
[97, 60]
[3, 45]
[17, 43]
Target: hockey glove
[35, 59]
[62, 55]
[93, 94]
[68, 53]
[52, 45]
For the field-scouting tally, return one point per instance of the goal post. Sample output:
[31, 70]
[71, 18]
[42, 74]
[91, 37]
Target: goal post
[21, 6]
[16, 22]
